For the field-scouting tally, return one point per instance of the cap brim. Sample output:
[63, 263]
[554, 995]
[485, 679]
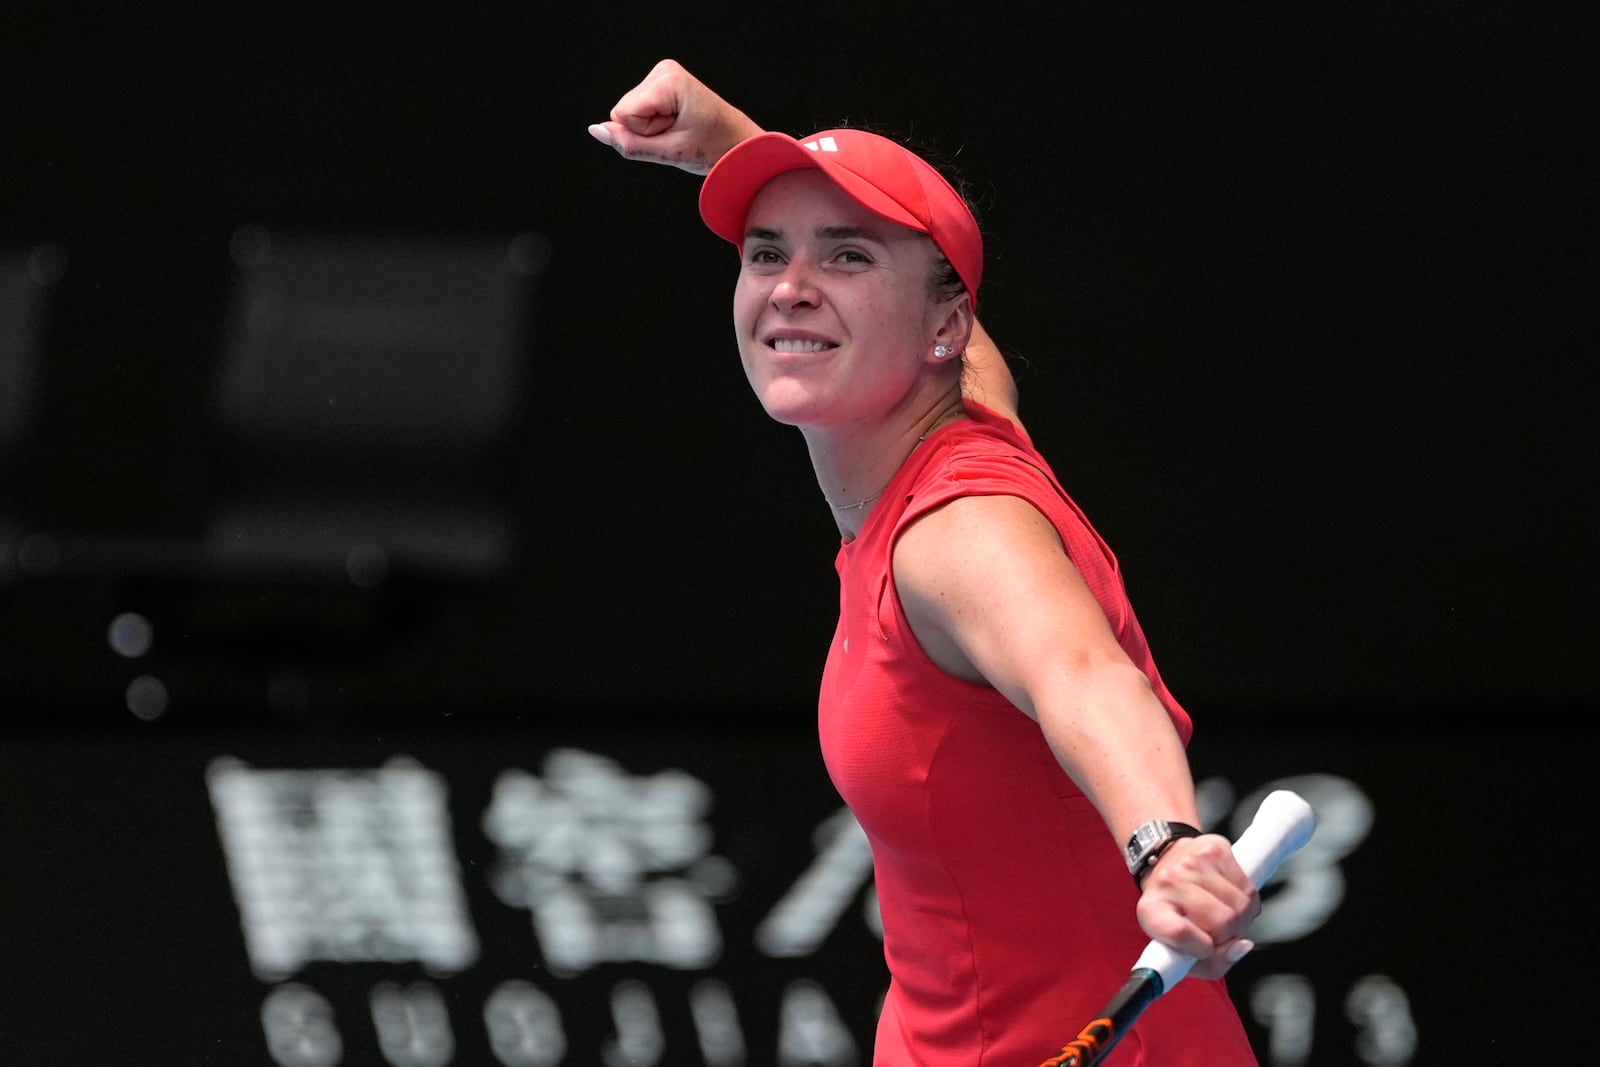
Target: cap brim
[741, 174]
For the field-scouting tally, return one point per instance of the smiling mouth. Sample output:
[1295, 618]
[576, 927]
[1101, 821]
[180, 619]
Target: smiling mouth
[793, 345]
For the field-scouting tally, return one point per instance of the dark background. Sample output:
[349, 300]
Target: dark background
[1293, 294]
[1300, 300]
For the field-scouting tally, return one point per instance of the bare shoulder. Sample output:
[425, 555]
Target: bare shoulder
[974, 528]
[977, 548]
[990, 592]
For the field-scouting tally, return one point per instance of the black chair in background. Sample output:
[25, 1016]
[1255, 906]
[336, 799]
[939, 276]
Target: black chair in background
[359, 435]
[365, 397]
[365, 388]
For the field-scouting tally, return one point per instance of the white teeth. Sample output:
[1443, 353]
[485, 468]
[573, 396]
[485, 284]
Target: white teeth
[788, 344]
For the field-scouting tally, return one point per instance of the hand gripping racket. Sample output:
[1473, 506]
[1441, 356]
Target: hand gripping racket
[1282, 824]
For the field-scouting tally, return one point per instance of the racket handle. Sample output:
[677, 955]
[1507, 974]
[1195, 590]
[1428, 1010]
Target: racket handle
[1282, 824]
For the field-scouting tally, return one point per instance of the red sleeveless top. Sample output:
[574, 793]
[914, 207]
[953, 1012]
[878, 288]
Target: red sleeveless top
[1008, 913]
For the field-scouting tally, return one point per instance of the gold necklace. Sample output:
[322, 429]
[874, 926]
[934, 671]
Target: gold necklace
[864, 501]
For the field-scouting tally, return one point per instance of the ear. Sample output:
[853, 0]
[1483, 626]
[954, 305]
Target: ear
[952, 321]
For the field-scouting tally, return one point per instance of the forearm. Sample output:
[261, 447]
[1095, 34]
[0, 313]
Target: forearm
[1113, 736]
[1115, 739]
[729, 128]
[674, 118]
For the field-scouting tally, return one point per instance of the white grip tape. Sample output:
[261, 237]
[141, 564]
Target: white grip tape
[1283, 823]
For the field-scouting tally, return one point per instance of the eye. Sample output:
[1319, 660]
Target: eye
[763, 255]
[852, 257]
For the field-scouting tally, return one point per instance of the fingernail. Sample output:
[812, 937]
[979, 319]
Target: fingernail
[601, 134]
[1239, 950]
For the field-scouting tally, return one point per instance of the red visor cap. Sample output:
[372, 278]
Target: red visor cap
[884, 177]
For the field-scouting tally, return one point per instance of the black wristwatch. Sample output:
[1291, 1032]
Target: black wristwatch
[1149, 841]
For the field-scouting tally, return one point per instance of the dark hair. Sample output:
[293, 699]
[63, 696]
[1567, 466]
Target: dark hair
[944, 282]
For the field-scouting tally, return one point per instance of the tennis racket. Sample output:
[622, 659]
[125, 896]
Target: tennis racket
[1282, 824]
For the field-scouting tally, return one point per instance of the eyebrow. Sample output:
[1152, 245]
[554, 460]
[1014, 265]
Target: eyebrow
[827, 233]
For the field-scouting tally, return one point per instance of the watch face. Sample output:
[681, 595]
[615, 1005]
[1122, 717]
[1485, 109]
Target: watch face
[1150, 840]
[1146, 835]
[1149, 833]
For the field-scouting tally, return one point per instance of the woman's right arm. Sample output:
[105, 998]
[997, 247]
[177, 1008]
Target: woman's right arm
[675, 119]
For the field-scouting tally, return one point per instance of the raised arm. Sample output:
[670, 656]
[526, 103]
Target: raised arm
[988, 379]
[674, 119]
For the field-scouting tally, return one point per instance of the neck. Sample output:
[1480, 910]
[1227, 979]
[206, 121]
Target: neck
[855, 464]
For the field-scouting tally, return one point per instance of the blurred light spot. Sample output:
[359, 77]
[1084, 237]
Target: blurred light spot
[147, 698]
[130, 635]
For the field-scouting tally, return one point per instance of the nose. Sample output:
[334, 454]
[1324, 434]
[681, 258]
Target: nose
[795, 288]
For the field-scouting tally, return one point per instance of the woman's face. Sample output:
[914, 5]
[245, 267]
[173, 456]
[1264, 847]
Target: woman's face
[834, 310]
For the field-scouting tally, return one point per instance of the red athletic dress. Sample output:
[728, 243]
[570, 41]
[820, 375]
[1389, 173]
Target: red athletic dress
[1008, 913]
